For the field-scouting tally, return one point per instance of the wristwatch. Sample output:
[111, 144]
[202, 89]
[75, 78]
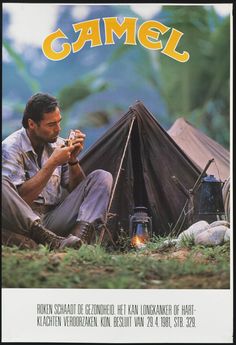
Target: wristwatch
[73, 163]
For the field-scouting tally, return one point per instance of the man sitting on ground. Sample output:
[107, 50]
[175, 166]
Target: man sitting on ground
[45, 193]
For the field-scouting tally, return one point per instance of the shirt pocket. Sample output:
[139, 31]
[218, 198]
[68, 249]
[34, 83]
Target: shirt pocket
[54, 181]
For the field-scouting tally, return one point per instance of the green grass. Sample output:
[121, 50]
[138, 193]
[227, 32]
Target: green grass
[95, 267]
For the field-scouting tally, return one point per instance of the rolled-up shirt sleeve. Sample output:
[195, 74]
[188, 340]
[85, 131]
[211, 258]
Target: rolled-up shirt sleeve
[13, 165]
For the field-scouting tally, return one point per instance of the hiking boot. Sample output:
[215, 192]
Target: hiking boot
[46, 237]
[84, 231]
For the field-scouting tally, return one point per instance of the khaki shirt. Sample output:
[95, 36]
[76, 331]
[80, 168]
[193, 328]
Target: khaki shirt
[19, 163]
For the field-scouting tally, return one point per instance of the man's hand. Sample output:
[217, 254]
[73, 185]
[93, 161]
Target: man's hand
[78, 145]
[61, 155]
[30, 189]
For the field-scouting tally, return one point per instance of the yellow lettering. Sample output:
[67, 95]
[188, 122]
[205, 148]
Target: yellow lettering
[171, 45]
[49, 52]
[90, 31]
[113, 26]
[148, 36]
[145, 32]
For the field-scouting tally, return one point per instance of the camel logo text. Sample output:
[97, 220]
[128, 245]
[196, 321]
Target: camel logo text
[89, 31]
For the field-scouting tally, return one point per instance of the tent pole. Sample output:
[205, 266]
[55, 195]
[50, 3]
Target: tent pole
[121, 162]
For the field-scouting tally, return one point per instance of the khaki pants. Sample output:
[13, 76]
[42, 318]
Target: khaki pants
[87, 202]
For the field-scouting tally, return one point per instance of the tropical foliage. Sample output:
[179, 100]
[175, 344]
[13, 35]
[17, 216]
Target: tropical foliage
[198, 90]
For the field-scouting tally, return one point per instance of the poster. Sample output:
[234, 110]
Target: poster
[116, 70]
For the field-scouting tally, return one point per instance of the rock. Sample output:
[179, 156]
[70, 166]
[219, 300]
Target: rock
[220, 222]
[169, 243]
[194, 230]
[227, 235]
[212, 236]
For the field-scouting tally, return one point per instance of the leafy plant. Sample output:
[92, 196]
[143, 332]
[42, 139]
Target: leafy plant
[21, 67]
[199, 88]
[81, 89]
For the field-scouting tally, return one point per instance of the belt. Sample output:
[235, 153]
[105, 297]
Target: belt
[41, 208]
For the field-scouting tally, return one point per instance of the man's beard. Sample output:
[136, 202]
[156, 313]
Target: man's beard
[53, 140]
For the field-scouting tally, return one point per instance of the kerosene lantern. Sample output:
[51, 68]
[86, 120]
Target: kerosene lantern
[211, 206]
[140, 227]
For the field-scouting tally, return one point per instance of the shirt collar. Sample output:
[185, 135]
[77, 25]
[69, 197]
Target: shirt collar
[25, 141]
[27, 146]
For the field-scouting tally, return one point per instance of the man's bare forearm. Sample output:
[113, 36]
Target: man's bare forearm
[76, 175]
[30, 189]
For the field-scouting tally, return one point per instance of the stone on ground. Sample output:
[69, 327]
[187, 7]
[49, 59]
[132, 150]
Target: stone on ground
[212, 236]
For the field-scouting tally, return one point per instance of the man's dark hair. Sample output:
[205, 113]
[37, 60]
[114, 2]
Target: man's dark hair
[36, 106]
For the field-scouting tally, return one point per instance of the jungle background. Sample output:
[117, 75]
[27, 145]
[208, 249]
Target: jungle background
[95, 88]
